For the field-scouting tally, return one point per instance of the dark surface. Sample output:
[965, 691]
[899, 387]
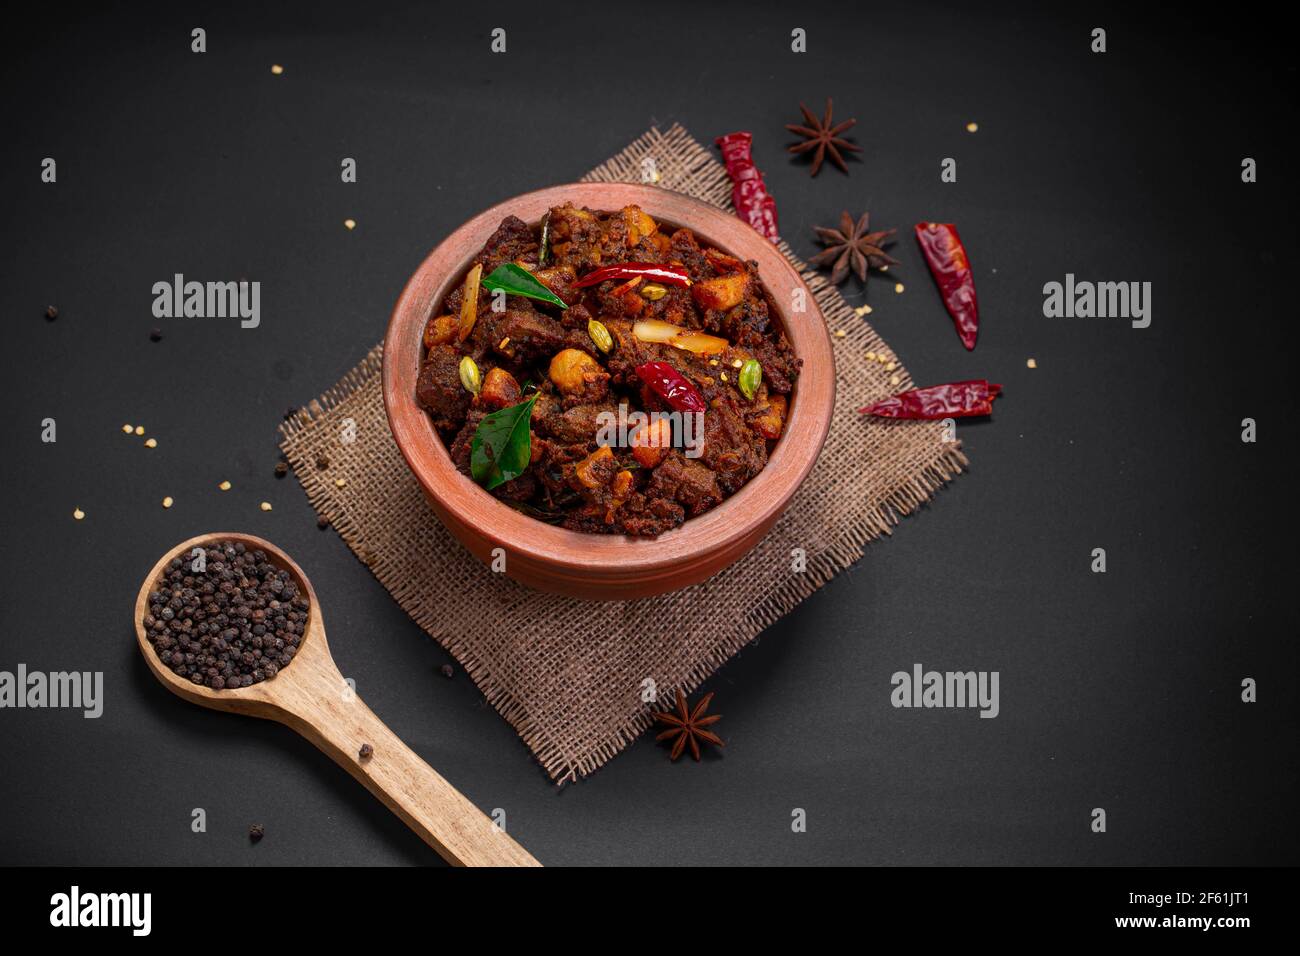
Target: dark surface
[1119, 690]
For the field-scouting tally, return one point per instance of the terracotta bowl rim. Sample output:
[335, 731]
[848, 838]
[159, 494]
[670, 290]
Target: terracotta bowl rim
[760, 501]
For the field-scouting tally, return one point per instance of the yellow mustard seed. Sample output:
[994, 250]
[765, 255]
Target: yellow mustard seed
[224, 486]
[1032, 363]
[167, 502]
[265, 506]
[139, 429]
[277, 69]
[151, 443]
[78, 513]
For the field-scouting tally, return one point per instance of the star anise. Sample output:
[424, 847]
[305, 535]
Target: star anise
[823, 137]
[686, 727]
[852, 245]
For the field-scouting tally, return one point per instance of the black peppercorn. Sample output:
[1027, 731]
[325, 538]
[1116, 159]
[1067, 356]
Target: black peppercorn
[51, 313]
[233, 624]
[366, 751]
[256, 832]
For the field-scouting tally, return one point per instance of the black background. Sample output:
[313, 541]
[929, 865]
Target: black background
[1118, 690]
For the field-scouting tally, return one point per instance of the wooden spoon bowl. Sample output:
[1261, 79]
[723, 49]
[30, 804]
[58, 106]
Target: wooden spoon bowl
[311, 696]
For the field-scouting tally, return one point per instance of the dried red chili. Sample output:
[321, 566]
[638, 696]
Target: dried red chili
[672, 275]
[955, 400]
[951, 270]
[748, 191]
[670, 385]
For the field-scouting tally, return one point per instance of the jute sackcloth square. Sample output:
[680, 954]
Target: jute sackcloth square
[569, 675]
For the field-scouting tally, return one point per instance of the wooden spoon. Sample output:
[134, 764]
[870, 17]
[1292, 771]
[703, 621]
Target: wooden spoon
[310, 695]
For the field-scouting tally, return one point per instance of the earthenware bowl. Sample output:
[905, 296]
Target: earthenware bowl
[595, 566]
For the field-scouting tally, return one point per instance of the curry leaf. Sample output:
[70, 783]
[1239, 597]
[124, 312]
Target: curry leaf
[516, 281]
[502, 446]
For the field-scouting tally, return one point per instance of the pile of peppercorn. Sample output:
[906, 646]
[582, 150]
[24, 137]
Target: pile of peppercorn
[226, 618]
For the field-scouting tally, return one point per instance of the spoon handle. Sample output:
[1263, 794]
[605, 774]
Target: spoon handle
[444, 818]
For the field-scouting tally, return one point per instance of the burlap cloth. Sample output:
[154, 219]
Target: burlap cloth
[569, 675]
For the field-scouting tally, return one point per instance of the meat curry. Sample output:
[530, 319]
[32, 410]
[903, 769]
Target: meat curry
[593, 318]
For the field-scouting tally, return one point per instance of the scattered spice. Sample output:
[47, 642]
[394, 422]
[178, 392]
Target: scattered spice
[167, 502]
[823, 138]
[951, 269]
[840, 333]
[853, 246]
[972, 127]
[224, 486]
[863, 309]
[670, 385]
[151, 443]
[750, 378]
[894, 380]
[672, 275]
[350, 223]
[600, 335]
[898, 287]
[322, 462]
[366, 752]
[340, 482]
[127, 429]
[322, 522]
[51, 312]
[955, 400]
[871, 356]
[265, 506]
[687, 728]
[277, 69]
[748, 191]
[1032, 363]
[256, 832]
[233, 624]
[139, 429]
[470, 379]
[78, 513]
[281, 469]
[155, 335]
[448, 670]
